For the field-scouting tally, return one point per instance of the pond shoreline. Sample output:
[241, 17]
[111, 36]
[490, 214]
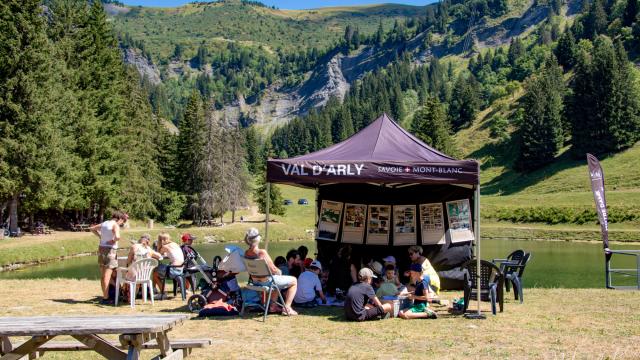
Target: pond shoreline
[25, 265]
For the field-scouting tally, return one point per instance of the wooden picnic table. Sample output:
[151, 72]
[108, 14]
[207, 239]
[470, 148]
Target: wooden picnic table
[136, 332]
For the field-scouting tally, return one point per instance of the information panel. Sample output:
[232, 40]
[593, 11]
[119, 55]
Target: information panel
[378, 225]
[404, 225]
[329, 224]
[355, 216]
[432, 223]
[459, 214]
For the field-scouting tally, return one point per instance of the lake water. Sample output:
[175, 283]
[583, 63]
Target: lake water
[553, 264]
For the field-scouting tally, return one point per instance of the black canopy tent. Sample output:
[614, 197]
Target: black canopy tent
[385, 160]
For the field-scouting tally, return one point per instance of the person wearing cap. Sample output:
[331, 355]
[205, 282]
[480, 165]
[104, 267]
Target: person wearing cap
[420, 297]
[187, 239]
[109, 234]
[361, 303]
[252, 239]
[309, 286]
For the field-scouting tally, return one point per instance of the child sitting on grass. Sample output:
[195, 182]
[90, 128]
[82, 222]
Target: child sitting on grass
[390, 284]
[420, 296]
[309, 287]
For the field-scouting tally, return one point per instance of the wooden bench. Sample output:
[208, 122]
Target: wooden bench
[186, 345]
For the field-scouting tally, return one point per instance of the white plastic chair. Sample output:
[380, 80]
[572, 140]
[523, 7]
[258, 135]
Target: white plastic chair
[143, 270]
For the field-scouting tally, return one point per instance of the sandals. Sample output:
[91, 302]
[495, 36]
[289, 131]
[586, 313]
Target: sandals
[288, 311]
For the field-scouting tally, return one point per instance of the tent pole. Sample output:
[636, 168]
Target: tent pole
[266, 218]
[477, 216]
[315, 214]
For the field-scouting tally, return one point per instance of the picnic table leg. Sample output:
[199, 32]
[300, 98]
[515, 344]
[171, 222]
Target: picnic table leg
[28, 347]
[134, 344]
[101, 346]
[166, 352]
[5, 345]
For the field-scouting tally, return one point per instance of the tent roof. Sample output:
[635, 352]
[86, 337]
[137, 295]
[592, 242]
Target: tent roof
[382, 140]
[383, 152]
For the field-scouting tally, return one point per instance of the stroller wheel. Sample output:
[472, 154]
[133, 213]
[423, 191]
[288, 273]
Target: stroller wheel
[196, 302]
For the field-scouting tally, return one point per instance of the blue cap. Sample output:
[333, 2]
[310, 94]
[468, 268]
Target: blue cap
[416, 268]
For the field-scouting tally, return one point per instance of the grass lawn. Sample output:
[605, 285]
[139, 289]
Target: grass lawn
[551, 324]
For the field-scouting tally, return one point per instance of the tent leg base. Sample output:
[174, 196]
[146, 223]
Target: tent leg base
[475, 316]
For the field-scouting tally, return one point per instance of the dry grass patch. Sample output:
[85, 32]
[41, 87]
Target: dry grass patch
[552, 323]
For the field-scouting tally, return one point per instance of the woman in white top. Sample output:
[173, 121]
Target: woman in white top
[138, 251]
[169, 249]
[109, 234]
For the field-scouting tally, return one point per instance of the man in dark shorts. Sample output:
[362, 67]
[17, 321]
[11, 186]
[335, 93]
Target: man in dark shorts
[356, 305]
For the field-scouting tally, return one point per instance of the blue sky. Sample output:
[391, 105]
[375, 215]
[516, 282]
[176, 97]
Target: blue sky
[285, 4]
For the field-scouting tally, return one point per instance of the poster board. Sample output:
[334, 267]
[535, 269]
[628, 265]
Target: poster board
[378, 224]
[459, 214]
[432, 224]
[404, 225]
[355, 216]
[329, 224]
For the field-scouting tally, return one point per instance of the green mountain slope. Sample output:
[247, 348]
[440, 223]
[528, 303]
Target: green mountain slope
[162, 28]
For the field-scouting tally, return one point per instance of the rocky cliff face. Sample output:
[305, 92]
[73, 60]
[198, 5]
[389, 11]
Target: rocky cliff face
[333, 78]
[144, 66]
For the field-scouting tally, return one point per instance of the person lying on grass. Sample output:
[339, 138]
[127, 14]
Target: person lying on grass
[356, 304]
[420, 297]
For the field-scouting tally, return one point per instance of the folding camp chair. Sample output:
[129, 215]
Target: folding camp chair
[258, 269]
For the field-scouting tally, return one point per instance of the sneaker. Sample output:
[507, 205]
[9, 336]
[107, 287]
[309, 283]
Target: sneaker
[160, 297]
[106, 302]
[432, 314]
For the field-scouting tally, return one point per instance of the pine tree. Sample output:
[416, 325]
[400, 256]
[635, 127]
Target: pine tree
[541, 127]
[565, 51]
[595, 23]
[430, 124]
[252, 146]
[139, 171]
[630, 12]
[465, 101]
[276, 206]
[29, 109]
[604, 106]
[379, 37]
[516, 51]
[190, 144]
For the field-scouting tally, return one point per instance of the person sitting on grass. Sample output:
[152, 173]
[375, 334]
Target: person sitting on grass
[428, 272]
[283, 282]
[309, 287]
[357, 305]
[294, 263]
[390, 284]
[281, 263]
[420, 297]
[168, 248]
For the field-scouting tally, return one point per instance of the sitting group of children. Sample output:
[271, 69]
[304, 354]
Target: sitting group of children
[363, 304]
[308, 272]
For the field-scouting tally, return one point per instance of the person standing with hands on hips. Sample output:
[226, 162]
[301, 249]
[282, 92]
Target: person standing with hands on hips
[109, 234]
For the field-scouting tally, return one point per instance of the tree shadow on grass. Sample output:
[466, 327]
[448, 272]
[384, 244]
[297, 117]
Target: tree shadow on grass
[505, 154]
[94, 301]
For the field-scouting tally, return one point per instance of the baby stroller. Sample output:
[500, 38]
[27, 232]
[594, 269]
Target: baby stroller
[218, 281]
